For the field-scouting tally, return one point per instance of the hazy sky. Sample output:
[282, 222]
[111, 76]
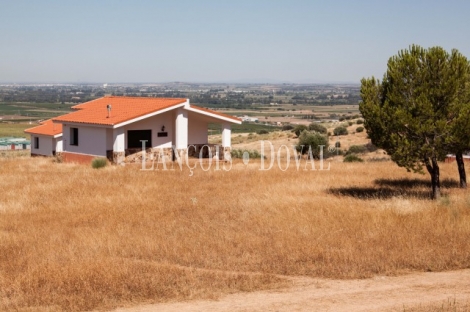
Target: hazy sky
[218, 40]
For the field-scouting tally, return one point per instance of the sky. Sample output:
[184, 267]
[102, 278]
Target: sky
[294, 41]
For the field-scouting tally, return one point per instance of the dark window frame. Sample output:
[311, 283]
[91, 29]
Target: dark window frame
[74, 136]
[36, 142]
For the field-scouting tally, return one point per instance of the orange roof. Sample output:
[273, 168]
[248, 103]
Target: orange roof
[214, 112]
[47, 127]
[122, 109]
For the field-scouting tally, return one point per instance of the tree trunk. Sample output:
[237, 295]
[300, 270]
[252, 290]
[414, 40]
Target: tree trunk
[433, 169]
[461, 167]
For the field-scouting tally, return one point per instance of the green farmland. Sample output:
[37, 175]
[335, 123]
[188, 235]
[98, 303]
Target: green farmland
[33, 111]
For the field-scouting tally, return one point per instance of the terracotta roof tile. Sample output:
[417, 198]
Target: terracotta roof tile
[122, 109]
[46, 127]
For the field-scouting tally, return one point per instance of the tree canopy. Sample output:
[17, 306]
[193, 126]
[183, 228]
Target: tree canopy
[419, 112]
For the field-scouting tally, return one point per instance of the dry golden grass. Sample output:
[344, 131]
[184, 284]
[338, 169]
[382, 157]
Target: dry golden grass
[283, 139]
[451, 305]
[239, 139]
[76, 238]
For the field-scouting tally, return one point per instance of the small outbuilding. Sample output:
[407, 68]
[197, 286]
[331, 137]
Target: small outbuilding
[46, 139]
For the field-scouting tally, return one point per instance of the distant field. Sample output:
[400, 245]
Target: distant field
[296, 113]
[33, 110]
[8, 129]
[243, 128]
[285, 113]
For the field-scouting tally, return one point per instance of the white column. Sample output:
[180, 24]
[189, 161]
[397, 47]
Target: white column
[118, 138]
[181, 129]
[58, 144]
[226, 135]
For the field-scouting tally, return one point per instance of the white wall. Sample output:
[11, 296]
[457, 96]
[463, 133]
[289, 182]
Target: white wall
[226, 135]
[46, 145]
[119, 140]
[58, 144]
[155, 123]
[181, 128]
[109, 139]
[91, 140]
[197, 130]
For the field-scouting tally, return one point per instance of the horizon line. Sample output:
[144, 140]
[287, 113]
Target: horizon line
[181, 82]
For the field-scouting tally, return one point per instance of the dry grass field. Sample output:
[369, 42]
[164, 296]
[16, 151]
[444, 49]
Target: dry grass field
[447, 306]
[77, 238]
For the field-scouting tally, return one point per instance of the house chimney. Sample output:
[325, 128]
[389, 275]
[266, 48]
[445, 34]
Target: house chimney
[109, 110]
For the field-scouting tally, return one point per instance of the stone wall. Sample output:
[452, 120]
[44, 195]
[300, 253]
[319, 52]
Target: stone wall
[155, 154]
[152, 154]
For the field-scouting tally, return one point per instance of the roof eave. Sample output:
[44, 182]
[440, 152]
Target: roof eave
[88, 124]
[154, 113]
[216, 116]
[44, 134]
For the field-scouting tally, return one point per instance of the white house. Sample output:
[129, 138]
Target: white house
[114, 127]
[46, 139]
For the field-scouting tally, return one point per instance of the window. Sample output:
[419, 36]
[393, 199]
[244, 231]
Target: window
[36, 142]
[74, 136]
[134, 138]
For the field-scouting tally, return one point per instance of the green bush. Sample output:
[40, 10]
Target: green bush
[357, 149]
[338, 144]
[379, 159]
[287, 127]
[262, 131]
[350, 123]
[371, 147]
[315, 126]
[359, 121]
[298, 129]
[100, 162]
[313, 140]
[238, 153]
[352, 158]
[340, 131]
[341, 118]
[359, 129]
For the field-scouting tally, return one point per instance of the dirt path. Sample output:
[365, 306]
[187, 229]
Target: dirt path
[312, 294]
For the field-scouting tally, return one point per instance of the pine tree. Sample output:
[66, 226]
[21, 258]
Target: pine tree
[417, 113]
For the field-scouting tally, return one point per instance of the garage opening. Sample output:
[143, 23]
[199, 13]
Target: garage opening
[134, 138]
